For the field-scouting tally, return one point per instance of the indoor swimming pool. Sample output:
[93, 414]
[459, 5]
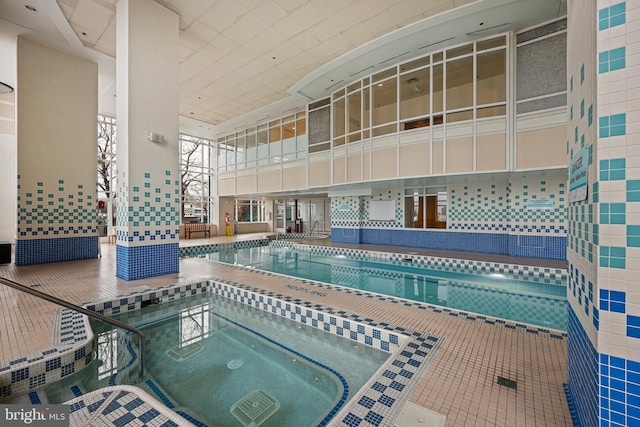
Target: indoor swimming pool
[222, 362]
[537, 299]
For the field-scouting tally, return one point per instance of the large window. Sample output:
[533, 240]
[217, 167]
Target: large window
[250, 211]
[276, 141]
[385, 102]
[106, 172]
[425, 208]
[462, 83]
[415, 92]
[196, 174]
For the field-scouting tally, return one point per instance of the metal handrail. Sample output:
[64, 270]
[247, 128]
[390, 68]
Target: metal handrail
[314, 226]
[90, 313]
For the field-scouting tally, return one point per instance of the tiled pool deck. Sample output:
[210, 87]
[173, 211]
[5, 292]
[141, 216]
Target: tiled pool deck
[460, 381]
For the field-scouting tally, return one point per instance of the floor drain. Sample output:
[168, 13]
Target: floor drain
[507, 382]
[234, 364]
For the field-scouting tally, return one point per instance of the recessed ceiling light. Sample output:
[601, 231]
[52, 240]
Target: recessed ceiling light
[31, 8]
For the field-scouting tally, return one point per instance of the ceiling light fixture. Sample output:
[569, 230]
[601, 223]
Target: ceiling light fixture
[5, 88]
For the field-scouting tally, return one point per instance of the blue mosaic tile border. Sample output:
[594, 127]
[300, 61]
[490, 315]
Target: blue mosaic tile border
[343, 381]
[312, 287]
[484, 242]
[57, 249]
[147, 236]
[72, 350]
[217, 247]
[134, 300]
[544, 274]
[382, 399]
[383, 396]
[122, 405]
[297, 236]
[355, 331]
[140, 262]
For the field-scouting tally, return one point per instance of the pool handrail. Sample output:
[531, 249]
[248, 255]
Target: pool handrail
[87, 312]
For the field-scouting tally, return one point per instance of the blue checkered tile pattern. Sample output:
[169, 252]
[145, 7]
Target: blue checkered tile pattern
[604, 230]
[147, 219]
[218, 247]
[53, 209]
[149, 210]
[134, 300]
[56, 221]
[364, 334]
[411, 351]
[309, 286]
[376, 404]
[542, 274]
[122, 406]
[72, 350]
[498, 218]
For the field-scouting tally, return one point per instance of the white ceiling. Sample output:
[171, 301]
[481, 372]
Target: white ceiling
[242, 58]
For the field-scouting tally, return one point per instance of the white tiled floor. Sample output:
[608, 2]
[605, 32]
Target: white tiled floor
[460, 383]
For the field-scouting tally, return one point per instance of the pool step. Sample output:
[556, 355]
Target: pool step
[255, 408]
[181, 353]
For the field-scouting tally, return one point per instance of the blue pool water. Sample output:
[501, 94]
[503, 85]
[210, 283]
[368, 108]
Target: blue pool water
[205, 353]
[512, 297]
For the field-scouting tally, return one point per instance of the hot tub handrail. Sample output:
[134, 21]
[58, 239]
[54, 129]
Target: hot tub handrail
[87, 312]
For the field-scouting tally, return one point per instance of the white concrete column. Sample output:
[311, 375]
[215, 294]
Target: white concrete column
[148, 188]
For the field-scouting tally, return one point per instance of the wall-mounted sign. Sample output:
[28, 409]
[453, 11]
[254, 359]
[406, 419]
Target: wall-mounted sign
[578, 176]
[539, 203]
[344, 207]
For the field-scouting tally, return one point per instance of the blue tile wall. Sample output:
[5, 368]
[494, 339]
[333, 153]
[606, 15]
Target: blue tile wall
[58, 249]
[346, 235]
[139, 262]
[446, 240]
[619, 392]
[531, 246]
[582, 375]
[547, 247]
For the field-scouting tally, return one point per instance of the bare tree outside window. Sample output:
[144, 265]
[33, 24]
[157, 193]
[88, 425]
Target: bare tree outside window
[196, 174]
[106, 179]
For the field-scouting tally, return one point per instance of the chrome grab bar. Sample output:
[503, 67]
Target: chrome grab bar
[90, 313]
[314, 226]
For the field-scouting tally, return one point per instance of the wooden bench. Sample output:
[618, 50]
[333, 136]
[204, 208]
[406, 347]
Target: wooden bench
[192, 227]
